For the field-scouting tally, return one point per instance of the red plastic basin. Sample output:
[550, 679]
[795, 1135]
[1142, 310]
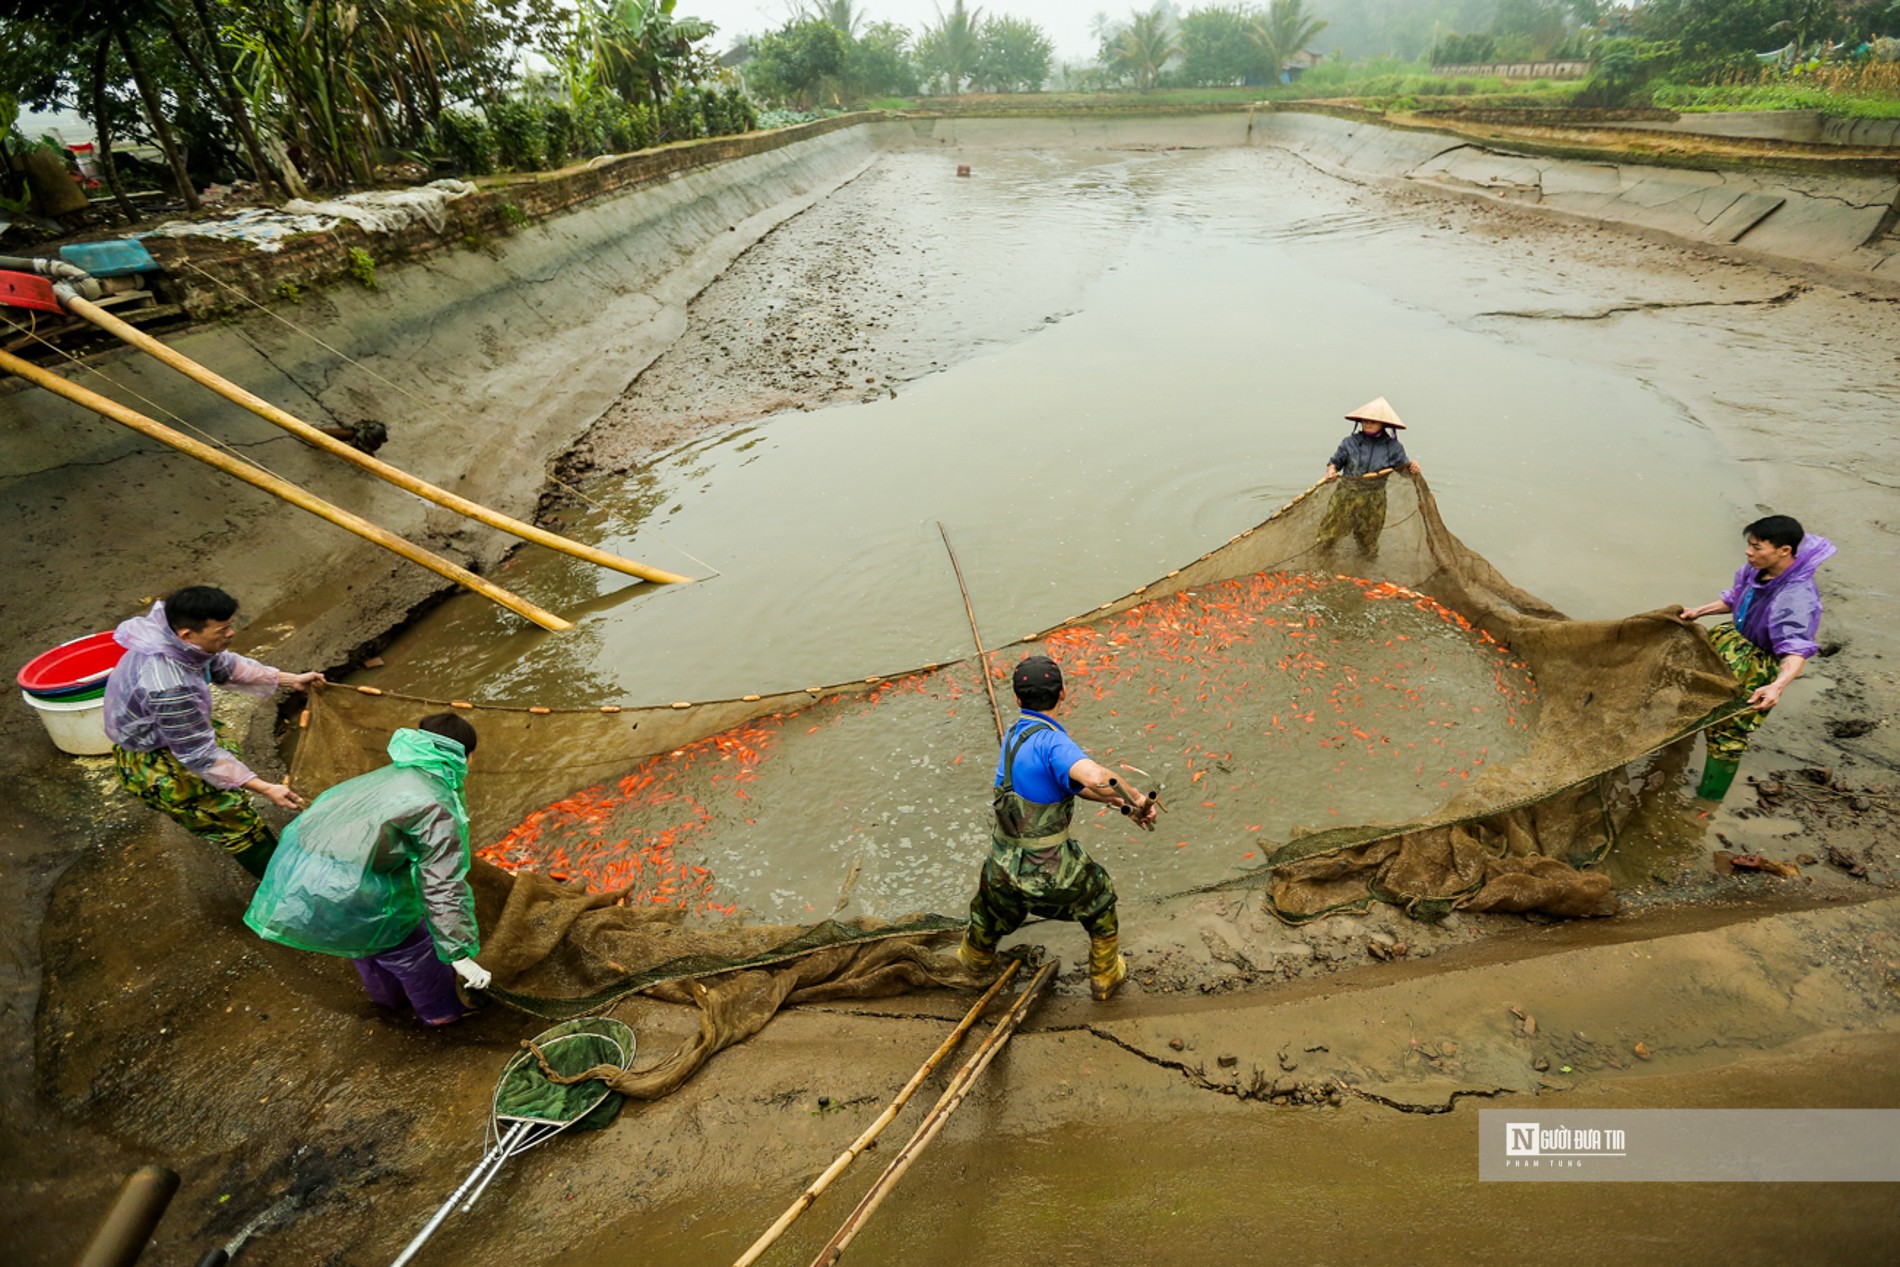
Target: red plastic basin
[71, 664]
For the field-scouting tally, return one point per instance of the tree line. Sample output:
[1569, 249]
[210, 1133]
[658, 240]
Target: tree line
[830, 53]
[294, 94]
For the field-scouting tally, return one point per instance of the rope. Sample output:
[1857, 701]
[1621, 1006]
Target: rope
[615, 515]
[427, 406]
[186, 423]
[330, 348]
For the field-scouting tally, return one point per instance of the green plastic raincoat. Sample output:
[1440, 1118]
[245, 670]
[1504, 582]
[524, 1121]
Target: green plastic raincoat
[375, 856]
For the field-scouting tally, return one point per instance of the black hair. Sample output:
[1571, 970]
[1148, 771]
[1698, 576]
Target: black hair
[1038, 697]
[196, 606]
[1777, 530]
[450, 726]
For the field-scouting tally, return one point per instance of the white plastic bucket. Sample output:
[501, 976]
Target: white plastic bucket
[78, 727]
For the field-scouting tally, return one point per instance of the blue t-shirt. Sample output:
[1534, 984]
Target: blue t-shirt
[1043, 762]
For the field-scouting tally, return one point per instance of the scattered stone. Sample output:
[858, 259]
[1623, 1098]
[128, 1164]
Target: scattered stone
[374, 662]
[1768, 788]
[1541, 1064]
[1285, 1086]
[1177, 1044]
[1640, 1051]
[1806, 859]
[1227, 1061]
[1448, 1049]
[1530, 1027]
[1847, 862]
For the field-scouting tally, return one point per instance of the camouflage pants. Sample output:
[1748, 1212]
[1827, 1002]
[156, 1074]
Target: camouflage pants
[225, 817]
[1752, 667]
[1000, 907]
[1358, 507]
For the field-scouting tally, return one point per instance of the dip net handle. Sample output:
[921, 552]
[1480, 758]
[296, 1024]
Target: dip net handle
[982, 656]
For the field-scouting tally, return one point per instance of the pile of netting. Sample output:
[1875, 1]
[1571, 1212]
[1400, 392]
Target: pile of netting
[601, 820]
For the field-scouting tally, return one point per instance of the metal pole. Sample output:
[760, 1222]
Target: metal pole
[128, 1225]
[493, 1158]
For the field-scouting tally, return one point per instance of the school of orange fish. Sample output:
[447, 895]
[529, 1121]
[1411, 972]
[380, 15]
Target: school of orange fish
[1262, 666]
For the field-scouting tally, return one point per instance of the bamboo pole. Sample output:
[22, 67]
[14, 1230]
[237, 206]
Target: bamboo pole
[382, 470]
[939, 1113]
[108, 408]
[982, 656]
[871, 1132]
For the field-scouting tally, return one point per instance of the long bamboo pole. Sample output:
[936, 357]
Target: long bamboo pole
[108, 408]
[982, 656]
[145, 343]
[940, 1112]
[871, 1132]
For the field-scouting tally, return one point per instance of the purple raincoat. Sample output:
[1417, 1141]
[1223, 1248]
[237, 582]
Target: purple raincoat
[159, 696]
[1782, 616]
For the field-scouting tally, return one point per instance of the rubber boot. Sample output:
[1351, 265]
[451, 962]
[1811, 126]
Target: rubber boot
[1717, 774]
[1107, 968]
[980, 962]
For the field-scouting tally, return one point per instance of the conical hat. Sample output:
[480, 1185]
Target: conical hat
[1377, 411]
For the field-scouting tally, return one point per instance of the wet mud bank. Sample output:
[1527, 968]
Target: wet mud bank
[168, 1033]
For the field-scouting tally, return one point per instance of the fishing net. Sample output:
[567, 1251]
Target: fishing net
[1499, 795]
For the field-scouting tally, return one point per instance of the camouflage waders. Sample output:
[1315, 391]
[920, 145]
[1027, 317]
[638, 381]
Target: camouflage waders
[1358, 507]
[1728, 738]
[223, 816]
[1036, 868]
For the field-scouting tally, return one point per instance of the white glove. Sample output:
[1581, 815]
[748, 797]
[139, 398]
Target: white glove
[473, 975]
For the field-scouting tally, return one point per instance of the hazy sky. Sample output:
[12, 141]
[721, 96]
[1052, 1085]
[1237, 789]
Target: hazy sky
[1066, 21]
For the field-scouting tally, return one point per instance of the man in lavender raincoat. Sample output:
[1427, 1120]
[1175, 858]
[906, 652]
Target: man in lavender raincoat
[158, 716]
[1777, 608]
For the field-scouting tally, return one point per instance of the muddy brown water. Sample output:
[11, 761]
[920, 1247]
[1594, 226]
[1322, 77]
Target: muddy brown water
[1171, 342]
[1352, 1185]
[1131, 357]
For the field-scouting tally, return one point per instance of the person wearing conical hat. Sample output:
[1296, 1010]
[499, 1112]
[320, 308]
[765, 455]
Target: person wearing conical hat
[1361, 463]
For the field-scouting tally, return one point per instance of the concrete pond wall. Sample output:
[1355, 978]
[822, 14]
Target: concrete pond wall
[487, 357]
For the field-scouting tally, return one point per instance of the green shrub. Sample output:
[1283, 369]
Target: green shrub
[593, 125]
[466, 140]
[521, 135]
[363, 267]
[740, 110]
[558, 121]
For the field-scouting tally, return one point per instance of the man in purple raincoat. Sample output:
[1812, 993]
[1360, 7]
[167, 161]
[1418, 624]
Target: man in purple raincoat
[158, 716]
[1777, 608]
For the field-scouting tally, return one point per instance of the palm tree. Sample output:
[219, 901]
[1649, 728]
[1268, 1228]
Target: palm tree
[950, 49]
[842, 14]
[1282, 34]
[644, 50]
[1145, 47]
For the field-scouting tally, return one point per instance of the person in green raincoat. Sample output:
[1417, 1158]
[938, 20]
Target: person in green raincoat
[376, 870]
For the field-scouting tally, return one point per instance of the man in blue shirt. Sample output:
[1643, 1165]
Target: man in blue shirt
[1035, 866]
